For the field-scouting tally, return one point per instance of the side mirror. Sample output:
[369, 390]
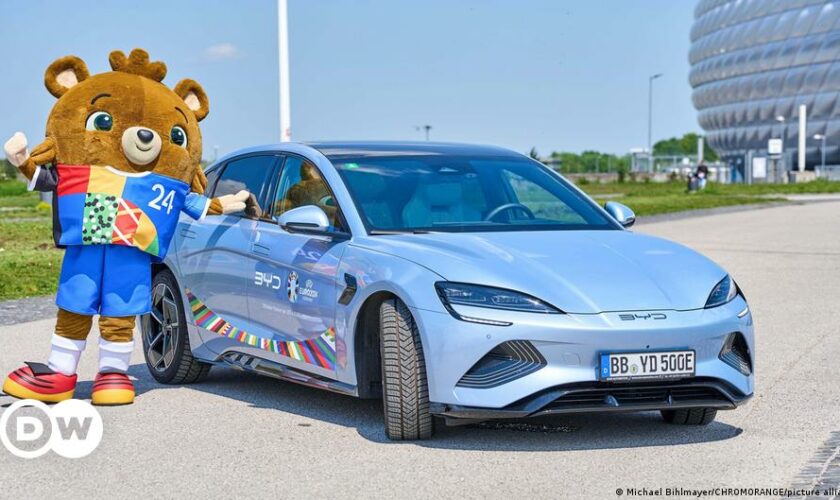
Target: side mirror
[309, 219]
[620, 213]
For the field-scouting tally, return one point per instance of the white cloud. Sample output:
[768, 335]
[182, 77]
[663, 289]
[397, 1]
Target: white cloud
[221, 51]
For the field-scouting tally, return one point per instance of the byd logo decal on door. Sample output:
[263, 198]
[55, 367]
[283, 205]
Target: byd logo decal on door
[72, 428]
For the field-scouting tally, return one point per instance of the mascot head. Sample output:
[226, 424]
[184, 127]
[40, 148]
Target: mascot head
[126, 118]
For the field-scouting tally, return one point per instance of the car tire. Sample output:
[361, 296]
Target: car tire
[166, 341]
[405, 392]
[690, 416]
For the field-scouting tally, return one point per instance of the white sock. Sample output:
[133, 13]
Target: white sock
[65, 354]
[114, 356]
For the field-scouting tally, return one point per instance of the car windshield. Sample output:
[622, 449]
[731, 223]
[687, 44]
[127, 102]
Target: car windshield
[439, 192]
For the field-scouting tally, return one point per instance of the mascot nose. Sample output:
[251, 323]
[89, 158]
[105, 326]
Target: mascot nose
[145, 135]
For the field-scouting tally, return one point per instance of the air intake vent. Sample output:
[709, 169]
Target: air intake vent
[602, 396]
[736, 353]
[506, 362]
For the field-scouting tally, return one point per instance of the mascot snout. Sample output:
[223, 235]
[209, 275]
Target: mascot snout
[141, 145]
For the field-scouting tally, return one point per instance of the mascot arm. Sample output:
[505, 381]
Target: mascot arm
[30, 164]
[198, 206]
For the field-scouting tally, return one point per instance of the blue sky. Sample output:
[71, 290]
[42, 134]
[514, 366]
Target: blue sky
[556, 74]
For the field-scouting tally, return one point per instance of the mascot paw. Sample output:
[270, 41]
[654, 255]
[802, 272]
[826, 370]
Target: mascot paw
[232, 203]
[252, 208]
[37, 381]
[44, 153]
[15, 149]
[112, 389]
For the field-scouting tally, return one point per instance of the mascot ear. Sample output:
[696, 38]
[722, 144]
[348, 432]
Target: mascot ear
[192, 94]
[64, 73]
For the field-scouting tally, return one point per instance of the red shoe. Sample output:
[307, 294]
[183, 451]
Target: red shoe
[38, 381]
[111, 389]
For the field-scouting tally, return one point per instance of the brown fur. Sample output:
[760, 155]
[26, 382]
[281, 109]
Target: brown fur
[137, 98]
[72, 326]
[75, 326]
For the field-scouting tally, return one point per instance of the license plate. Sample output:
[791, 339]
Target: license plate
[646, 365]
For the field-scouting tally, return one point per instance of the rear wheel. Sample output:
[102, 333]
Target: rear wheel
[166, 343]
[405, 392]
[690, 416]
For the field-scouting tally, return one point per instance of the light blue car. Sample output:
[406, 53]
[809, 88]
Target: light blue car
[453, 281]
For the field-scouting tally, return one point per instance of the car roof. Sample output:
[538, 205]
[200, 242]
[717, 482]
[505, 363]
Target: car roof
[335, 150]
[399, 148]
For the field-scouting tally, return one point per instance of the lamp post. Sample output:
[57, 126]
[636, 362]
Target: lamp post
[783, 137]
[283, 52]
[821, 137]
[427, 128]
[650, 116]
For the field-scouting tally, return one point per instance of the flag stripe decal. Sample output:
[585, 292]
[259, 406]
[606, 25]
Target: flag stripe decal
[319, 351]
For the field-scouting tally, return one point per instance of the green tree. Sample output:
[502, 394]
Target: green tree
[683, 146]
[587, 161]
[7, 170]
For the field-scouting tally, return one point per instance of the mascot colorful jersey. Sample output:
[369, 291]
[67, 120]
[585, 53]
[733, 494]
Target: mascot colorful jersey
[98, 205]
[121, 157]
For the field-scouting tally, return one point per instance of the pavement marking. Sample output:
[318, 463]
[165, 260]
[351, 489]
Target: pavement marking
[822, 473]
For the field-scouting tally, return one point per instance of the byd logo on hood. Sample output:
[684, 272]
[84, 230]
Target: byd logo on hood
[634, 317]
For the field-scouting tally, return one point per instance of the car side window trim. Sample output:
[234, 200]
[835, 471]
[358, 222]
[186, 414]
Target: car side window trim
[265, 189]
[211, 187]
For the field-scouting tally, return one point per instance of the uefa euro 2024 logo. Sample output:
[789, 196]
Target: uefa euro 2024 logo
[71, 428]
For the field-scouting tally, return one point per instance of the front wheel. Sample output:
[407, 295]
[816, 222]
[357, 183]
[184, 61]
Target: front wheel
[405, 392]
[166, 342]
[690, 416]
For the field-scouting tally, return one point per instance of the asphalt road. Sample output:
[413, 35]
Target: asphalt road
[242, 435]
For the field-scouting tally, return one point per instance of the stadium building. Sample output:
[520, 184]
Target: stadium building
[753, 63]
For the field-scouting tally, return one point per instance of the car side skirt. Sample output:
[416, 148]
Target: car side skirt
[253, 364]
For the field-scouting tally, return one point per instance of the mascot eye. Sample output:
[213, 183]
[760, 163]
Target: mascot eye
[178, 136]
[99, 121]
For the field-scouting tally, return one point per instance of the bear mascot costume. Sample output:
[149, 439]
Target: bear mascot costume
[122, 160]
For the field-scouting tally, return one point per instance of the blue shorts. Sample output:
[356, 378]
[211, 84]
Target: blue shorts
[111, 280]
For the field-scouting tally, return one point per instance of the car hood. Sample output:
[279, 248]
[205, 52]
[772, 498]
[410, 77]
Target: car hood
[585, 272]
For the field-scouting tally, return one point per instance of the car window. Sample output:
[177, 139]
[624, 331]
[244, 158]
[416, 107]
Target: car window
[301, 184]
[462, 193]
[539, 200]
[251, 173]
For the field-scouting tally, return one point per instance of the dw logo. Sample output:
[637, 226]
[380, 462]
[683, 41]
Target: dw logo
[72, 428]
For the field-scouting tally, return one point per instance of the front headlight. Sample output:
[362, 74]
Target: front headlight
[722, 293]
[492, 298]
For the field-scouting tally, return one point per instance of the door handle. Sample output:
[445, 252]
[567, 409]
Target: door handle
[187, 233]
[260, 249]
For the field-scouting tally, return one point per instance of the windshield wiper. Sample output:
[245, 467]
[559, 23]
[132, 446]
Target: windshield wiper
[380, 232]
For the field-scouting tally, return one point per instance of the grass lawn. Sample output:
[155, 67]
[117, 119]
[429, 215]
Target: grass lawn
[669, 203]
[29, 262]
[668, 188]
[659, 198]
[649, 198]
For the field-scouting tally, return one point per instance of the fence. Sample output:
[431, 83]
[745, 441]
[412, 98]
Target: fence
[829, 172]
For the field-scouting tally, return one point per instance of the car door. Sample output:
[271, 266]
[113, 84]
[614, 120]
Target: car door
[295, 288]
[214, 258]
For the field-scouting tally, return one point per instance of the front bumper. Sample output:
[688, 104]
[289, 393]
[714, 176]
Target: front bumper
[570, 345]
[589, 397]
